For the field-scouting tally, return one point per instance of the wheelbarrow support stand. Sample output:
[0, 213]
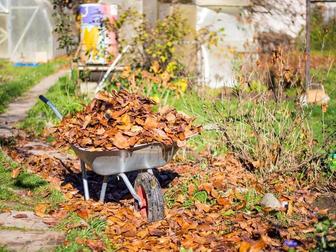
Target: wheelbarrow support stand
[85, 181]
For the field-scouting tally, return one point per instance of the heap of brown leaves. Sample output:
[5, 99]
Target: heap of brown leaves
[122, 120]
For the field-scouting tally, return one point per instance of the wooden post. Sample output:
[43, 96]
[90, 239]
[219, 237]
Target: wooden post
[307, 67]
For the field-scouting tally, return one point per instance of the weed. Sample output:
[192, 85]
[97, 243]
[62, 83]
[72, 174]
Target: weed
[3, 249]
[94, 229]
[228, 213]
[252, 199]
[183, 249]
[325, 234]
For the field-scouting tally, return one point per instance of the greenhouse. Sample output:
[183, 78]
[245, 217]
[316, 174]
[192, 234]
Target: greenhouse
[26, 31]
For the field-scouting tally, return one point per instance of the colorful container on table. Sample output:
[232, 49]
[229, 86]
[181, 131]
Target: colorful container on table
[98, 42]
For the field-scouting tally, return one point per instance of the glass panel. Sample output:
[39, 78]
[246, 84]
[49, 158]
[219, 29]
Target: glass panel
[31, 36]
[3, 6]
[3, 36]
[23, 3]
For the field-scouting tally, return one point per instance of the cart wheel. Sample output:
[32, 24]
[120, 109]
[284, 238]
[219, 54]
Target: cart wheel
[149, 191]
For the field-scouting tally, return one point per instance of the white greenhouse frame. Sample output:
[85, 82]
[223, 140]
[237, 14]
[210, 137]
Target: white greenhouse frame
[4, 28]
[27, 31]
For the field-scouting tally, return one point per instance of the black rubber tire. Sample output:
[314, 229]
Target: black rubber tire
[154, 197]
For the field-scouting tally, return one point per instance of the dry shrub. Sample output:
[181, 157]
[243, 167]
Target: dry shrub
[279, 69]
[269, 138]
[282, 70]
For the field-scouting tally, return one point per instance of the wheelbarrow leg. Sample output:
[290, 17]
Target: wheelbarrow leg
[103, 189]
[85, 182]
[130, 187]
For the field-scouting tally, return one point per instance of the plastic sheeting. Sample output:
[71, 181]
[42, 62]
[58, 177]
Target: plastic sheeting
[29, 31]
[4, 6]
[217, 63]
[3, 29]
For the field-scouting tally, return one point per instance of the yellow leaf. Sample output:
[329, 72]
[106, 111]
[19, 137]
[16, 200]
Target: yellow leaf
[40, 209]
[16, 172]
[155, 67]
[244, 246]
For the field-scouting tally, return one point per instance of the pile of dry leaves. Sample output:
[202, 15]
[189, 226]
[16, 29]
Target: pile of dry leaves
[122, 120]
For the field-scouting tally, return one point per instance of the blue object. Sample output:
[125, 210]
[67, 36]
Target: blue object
[21, 64]
[291, 243]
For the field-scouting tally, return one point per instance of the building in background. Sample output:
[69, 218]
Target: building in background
[26, 31]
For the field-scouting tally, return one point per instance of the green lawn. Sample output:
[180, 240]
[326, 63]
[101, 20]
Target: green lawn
[14, 81]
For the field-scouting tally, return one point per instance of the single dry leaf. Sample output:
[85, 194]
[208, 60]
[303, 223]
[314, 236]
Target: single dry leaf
[83, 213]
[205, 186]
[87, 121]
[244, 247]
[223, 202]
[202, 207]
[171, 118]
[191, 189]
[150, 123]
[120, 141]
[15, 173]
[20, 216]
[40, 209]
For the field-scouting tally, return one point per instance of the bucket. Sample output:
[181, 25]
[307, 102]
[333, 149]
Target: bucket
[98, 44]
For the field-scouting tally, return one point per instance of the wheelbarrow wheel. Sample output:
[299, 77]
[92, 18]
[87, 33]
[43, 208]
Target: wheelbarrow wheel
[149, 190]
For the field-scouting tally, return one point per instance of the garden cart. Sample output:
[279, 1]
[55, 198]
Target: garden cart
[143, 158]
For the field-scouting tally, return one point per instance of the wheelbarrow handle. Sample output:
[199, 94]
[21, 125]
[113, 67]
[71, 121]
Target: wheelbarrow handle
[52, 106]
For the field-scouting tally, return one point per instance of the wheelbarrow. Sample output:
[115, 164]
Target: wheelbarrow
[146, 191]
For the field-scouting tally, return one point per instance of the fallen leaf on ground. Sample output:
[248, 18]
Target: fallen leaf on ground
[40, 209]
[15, 173]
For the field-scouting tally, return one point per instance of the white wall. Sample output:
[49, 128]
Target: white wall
[330, 11]
[280, 18]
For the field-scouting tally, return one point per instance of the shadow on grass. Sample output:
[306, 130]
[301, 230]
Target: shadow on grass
[29, 181]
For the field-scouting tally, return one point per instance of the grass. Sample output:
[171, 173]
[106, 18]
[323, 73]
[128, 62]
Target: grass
[13, 191]
[323, 124]
[14, 81]
[63, 96]
[78, 237]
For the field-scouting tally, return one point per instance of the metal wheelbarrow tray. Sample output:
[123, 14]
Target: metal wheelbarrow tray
[143, 158]
[118, 162]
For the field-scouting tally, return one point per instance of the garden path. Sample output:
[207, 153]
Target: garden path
[18, 109]
[24, 231]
